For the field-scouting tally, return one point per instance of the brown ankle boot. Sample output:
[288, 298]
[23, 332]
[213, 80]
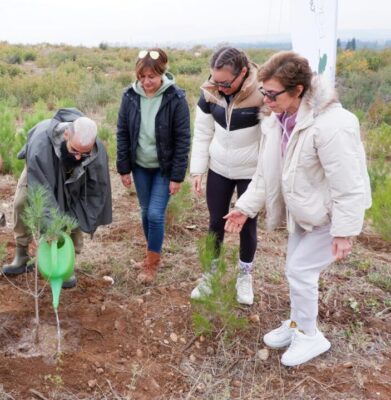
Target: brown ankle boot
[150, 268]
[143, 263]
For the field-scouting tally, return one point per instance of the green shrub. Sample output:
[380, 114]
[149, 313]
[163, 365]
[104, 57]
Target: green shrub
[64, 103]
[380, 212]
[188, 67]
[40, 112]
[60, 57]
[15, 59]
[357, 90]
[259, 56]
[13, 139]
[379, 111]
[375, 61]
[385, 83]
[112, 114]
[379, 142]
[124, 78]
[97, 93]
[379, 170]
[10, 141]
[11, 70]
[29, 89]
[29, 56]
[107, 136]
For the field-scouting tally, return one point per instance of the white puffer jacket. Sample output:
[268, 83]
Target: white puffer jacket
[323, 177]
[226, 136]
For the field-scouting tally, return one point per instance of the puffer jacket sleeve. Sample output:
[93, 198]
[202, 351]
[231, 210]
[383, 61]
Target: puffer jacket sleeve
[181, 127]
[254, 198]
[123, 139]
[341, 155]
[204, 127]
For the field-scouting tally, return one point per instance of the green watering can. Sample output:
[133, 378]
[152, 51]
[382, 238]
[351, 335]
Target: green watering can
[56, 261]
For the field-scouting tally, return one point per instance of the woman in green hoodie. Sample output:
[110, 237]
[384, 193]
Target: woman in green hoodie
[153, 141]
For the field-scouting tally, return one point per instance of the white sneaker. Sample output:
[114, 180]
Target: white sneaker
[303, 348]
[203, 288]
[282, 336]
[244, 289]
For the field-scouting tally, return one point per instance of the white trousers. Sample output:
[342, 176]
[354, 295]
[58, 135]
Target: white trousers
[309, 253]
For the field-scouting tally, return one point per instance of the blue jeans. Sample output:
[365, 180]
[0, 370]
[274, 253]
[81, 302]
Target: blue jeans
[153, 195]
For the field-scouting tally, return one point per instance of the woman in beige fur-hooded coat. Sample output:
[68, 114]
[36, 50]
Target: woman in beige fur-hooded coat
[311, 170]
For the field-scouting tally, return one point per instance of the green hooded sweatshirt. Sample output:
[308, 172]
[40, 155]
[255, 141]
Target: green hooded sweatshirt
[146, 153]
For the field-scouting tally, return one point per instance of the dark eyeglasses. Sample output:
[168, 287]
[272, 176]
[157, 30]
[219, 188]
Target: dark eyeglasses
[225, 85]
[74, 152]
[272, 95]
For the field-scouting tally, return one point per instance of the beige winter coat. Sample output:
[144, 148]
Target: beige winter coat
[323, 177]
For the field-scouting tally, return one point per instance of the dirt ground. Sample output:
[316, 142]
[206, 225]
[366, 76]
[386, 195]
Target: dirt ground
[124, 341]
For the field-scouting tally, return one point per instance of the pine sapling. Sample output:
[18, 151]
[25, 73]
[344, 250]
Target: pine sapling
[45, 223]
[217, 312]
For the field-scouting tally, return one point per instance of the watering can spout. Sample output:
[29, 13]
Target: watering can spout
[56, 263]
[56, 285]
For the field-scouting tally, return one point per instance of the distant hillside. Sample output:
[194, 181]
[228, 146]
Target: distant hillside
[374, 39]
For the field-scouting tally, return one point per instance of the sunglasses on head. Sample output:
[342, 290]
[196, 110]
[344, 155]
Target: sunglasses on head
[272, 95]
[152, 53]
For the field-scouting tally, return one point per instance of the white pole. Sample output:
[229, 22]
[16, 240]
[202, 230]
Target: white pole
[314, 33]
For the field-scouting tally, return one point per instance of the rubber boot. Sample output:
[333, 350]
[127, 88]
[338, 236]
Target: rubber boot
[19, 263]
[70, 283]
[150, 268]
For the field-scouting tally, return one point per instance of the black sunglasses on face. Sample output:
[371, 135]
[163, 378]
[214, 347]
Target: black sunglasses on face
[272, 95]
[224, 85]
[74, 152]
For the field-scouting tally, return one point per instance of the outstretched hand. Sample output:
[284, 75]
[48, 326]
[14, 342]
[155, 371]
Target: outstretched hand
[235, 221]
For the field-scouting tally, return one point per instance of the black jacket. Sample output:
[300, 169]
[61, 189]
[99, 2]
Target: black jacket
[86, 194]
[172, 130]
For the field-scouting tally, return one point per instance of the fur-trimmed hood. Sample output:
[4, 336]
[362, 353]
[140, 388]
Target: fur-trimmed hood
[321, 94]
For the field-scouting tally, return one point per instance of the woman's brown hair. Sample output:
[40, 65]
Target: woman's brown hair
[289, 68]
[159, 66]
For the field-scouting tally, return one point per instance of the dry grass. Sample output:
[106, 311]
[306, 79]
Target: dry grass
[355, 315]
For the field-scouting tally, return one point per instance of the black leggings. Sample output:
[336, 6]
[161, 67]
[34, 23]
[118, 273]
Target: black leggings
[219, 191]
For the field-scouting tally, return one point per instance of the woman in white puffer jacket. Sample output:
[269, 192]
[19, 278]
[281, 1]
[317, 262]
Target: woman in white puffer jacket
[311, 170]
[225, 148]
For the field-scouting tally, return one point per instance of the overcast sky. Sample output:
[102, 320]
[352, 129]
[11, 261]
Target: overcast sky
[90, 22]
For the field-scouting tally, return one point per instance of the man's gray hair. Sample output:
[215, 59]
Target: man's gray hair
[85, 129]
